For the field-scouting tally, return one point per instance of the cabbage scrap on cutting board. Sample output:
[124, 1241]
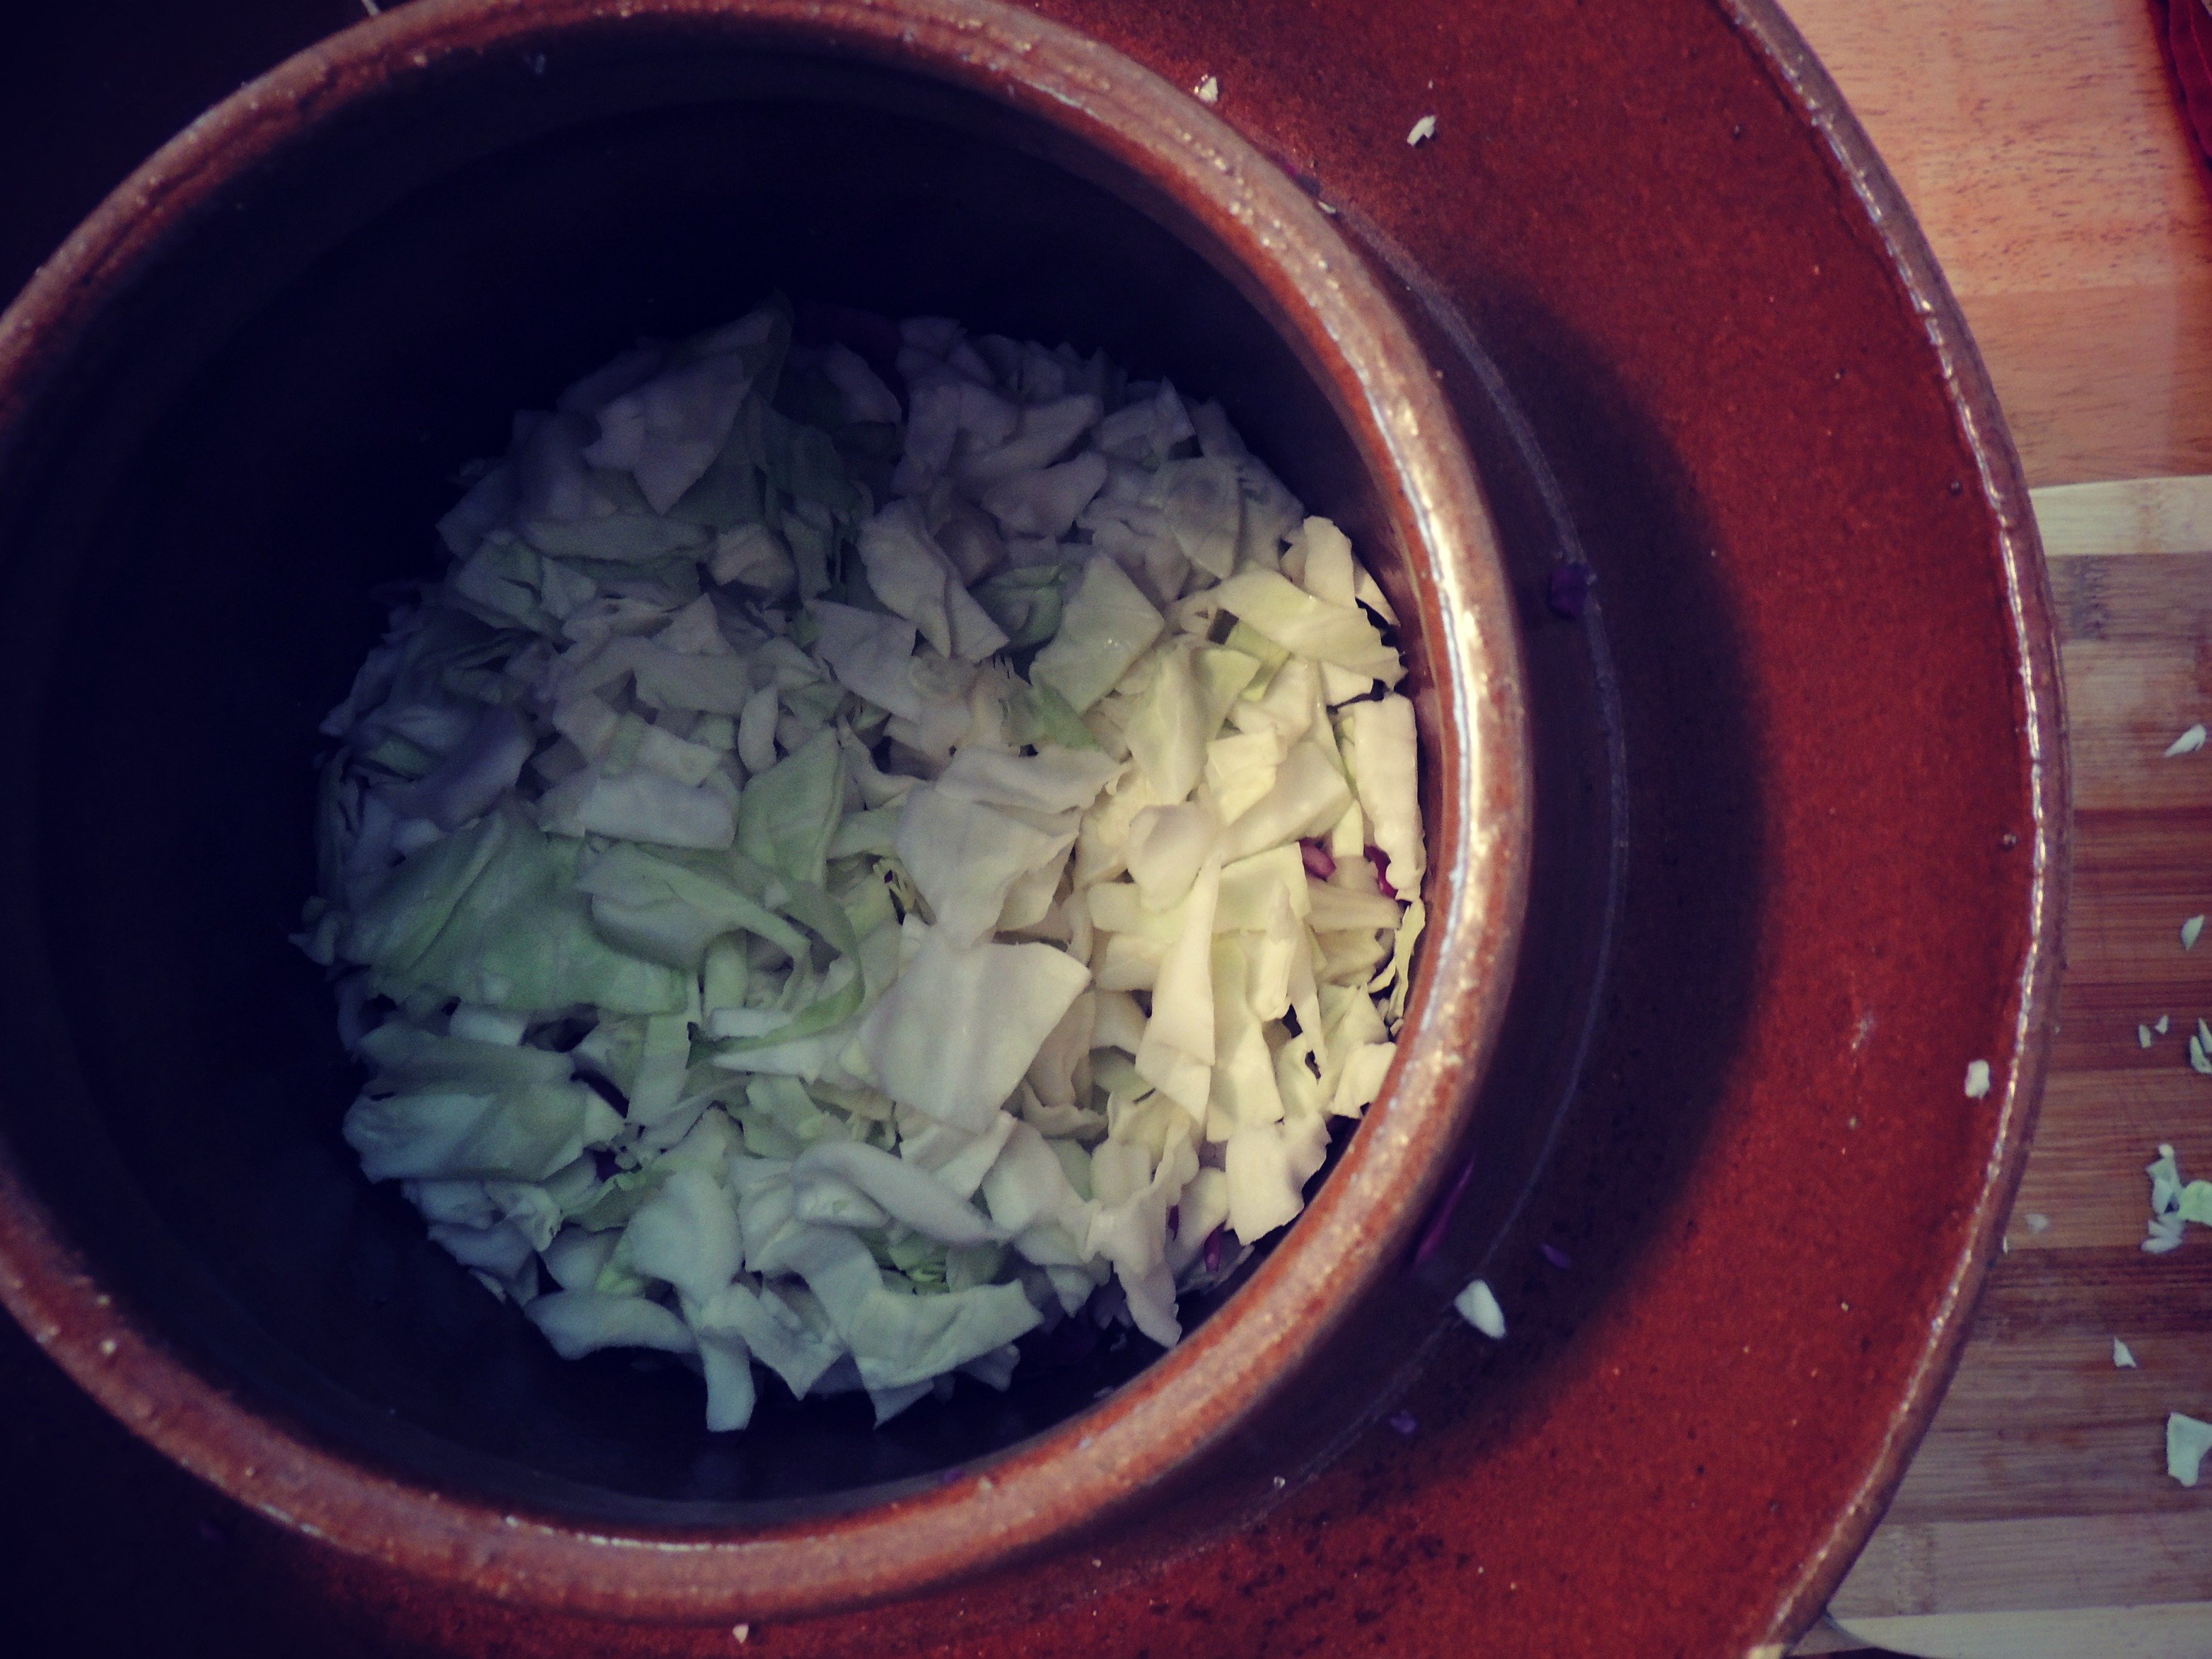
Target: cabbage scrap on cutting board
[838, 883]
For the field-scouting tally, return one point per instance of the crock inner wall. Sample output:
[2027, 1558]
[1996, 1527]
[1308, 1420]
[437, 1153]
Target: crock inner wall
[263, 436]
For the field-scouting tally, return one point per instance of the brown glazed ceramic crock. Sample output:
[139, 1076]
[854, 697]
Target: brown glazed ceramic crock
[230, 407]
[1798, 855]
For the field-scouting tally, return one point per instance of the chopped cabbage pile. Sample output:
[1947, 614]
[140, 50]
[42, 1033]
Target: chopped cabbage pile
[840, 881]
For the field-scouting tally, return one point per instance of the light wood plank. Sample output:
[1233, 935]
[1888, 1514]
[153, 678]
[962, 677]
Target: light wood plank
[2154, 598]
[1993, 1566]
[1825, 1637]
[2116, 936]
[2039, 150]
[2134, 633]
[2102, 383]
[2064, 1376]
[2183, 1631]
[2126, 516]
[2088, 1470]
[2098, 1131]
[2100, 1029]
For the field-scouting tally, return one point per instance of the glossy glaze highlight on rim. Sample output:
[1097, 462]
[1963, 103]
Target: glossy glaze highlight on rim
[1109, 1459]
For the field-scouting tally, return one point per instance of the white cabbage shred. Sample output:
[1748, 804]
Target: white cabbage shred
[838, 882]
[2187, 1440]
[1477, 1305]
[2174, 1203]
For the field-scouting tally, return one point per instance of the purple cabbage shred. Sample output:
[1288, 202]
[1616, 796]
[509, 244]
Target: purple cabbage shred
[1432, 1236]
[1568, 594]
[1568, 590]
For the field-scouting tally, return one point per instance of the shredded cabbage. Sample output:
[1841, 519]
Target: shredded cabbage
[1105, 625]
[838, 876]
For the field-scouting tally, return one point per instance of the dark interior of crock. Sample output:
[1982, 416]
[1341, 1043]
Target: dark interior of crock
[262, 434]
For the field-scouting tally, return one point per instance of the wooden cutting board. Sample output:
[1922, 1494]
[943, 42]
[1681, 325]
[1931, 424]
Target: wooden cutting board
[2039, 148]
[2042, 1488]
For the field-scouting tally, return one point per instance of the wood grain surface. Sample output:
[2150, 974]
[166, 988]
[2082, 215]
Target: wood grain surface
[2041, 153]
[2042, 1485]
[2037, 1518]
[2039, 145]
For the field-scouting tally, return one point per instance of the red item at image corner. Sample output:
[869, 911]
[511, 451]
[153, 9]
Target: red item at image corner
[2185, 34]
